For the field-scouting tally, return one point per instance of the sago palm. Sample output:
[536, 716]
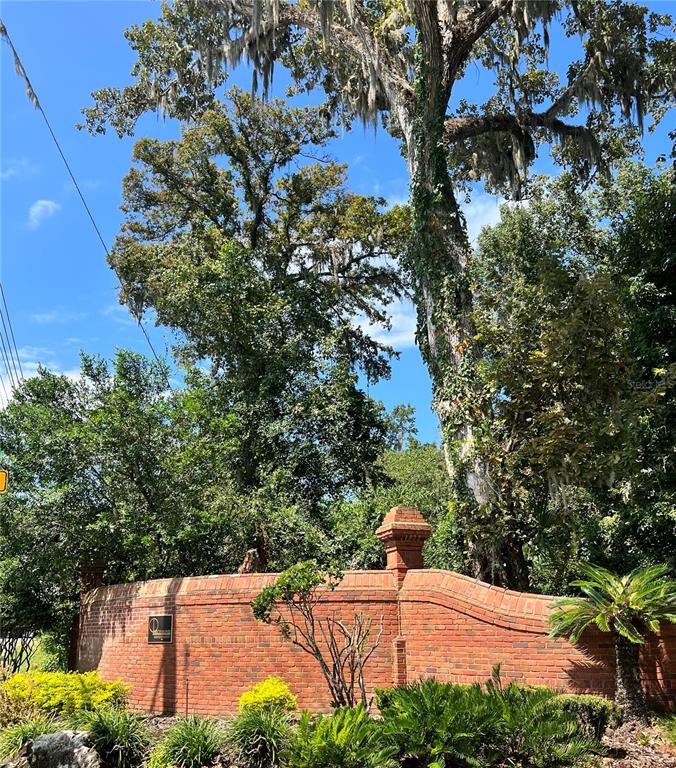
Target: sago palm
[627, 607]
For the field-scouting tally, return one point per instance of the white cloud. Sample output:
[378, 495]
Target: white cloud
[41, 210]
[482, 211]
[15, 169]
[118, 313]
[32, 353]
[56, 316]
[401, 334]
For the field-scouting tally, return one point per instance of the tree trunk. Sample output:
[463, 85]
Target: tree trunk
[629, 693]
[438, 267]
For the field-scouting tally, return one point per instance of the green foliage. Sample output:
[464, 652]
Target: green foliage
[349, 738]
[620, 604]
[272, 693]
[295, 586]
[593, 713]
[416, 476]
[401, 62]
[667, 725]
[64, 692]
[15, 710]
[444, 725]
[15, 736]
[579, 429]
[189, 743]
[119, 736]
[259, 735]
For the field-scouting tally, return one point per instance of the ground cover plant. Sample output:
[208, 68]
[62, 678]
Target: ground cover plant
[446, 725]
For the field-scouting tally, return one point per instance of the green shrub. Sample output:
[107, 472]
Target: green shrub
[593, 713]
[258, 736]
[439, 725]
[272, 693]
[64, 692]
[190, 743]
[14, 737]
[534, 730]
[13, 711]
[119, 736]
[347, 739]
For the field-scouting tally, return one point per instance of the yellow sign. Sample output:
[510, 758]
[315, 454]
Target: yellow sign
[4, 478]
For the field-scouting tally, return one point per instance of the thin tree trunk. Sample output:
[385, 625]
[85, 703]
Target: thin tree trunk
[629, 693]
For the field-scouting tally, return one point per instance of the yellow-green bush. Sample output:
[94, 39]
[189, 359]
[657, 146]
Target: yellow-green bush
[272, 693]
[63, 692]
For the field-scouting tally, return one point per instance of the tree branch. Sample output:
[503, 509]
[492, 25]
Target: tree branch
[460, 128]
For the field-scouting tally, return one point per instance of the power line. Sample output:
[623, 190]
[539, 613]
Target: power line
[11, 329]
[33, 98]
[6, 363]
[11, 372]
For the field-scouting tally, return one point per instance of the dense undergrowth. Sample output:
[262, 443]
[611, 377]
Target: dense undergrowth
[427, 724]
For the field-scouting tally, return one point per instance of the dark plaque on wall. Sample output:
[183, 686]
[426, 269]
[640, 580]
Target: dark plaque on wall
[161, 629]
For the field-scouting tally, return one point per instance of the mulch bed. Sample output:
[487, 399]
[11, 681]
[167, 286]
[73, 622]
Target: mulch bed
[631, 747]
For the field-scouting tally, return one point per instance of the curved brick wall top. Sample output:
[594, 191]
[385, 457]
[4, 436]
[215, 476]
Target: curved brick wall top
[487, 603]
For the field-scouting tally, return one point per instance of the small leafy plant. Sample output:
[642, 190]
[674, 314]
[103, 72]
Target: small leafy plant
[272, 693]
[119, 736]
[259, 736]
[593, 713]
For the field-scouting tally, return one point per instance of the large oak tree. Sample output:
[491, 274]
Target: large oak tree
[402, 61]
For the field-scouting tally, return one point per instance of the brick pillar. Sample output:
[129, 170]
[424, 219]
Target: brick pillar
[403, 533]
[91, 576]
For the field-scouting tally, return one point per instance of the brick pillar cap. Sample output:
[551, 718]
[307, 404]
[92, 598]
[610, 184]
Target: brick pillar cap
[406, 520]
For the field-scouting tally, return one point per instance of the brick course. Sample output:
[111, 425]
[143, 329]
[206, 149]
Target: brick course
[435, 623]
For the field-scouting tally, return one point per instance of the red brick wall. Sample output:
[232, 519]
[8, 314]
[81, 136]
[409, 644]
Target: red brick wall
[439, 623]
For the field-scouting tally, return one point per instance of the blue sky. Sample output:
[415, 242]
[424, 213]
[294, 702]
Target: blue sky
[61, 293]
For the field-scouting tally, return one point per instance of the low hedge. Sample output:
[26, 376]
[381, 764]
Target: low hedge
[594, 713]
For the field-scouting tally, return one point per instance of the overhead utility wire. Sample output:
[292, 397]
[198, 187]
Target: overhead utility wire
[11, 329]
[33, 98]
[5, 361]
[12, 354]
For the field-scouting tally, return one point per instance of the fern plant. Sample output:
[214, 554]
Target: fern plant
[434, 725]
[532, 729]
[627, 607]
[347, 739]
[441, 725]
